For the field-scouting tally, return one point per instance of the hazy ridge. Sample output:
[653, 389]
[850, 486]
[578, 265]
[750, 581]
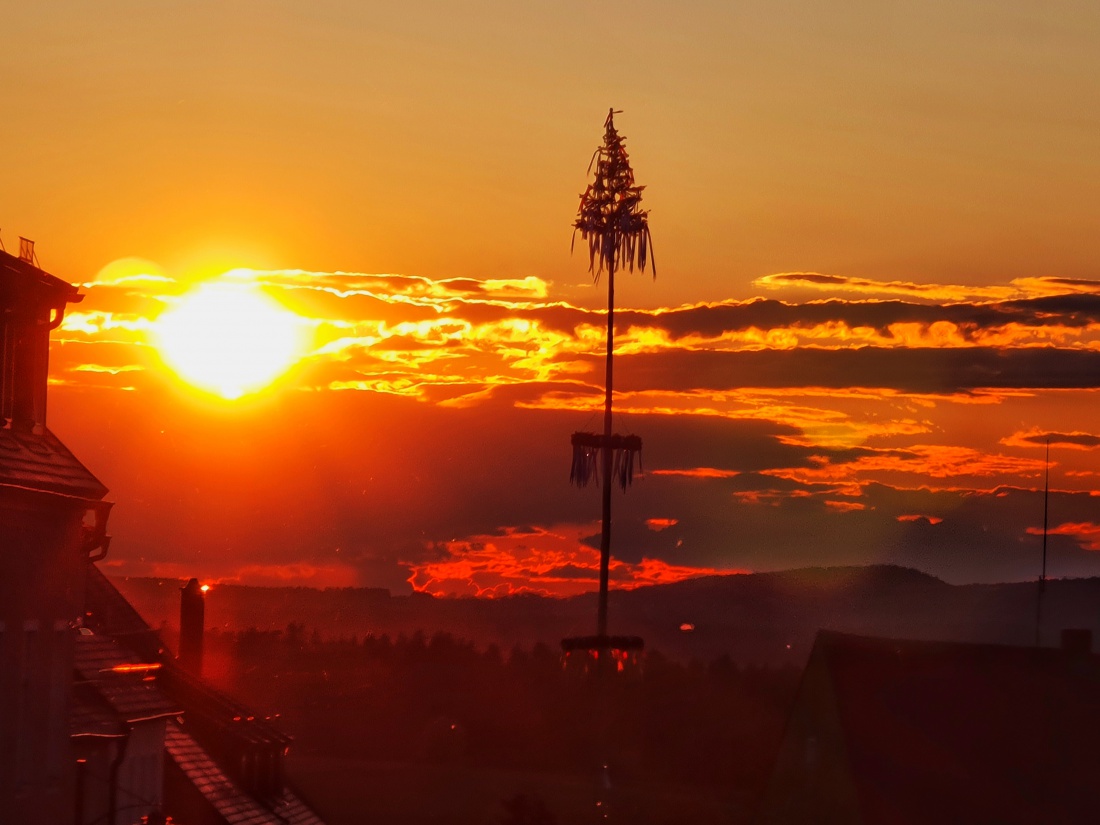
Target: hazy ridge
[751, 617]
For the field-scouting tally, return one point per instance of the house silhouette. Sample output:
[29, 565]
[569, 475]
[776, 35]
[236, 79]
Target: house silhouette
[896, 731]
[100, 724]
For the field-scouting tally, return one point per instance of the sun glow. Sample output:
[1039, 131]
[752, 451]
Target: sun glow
[229, 338]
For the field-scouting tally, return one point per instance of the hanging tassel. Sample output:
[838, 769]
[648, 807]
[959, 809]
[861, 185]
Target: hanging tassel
[586, 458]
[586, 454]
[625, 447]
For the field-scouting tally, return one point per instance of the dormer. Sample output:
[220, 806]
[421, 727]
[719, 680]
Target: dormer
[32, 303]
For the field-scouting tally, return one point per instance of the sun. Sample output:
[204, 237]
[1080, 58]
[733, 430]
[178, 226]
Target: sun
[228, 338]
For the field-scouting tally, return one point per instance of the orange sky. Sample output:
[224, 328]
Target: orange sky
[423, 437]
[915, 141]
[910, 189]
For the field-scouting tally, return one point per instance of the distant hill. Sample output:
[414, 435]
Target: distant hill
[760, 618]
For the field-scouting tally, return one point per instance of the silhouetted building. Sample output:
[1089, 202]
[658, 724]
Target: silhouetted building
[118, 732]
[52, 519]
[223, 761]
[99, 724]
[890, 731]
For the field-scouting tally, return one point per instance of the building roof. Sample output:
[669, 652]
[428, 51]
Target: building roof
[18, 279]
[110, 614]
[127, 683]
[990, 733]
[233, 804]
[212, 720]
[92, 716]
[41, 462]
[32, 302]
[218, 716]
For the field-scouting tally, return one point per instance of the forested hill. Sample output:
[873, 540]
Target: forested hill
[761, 618]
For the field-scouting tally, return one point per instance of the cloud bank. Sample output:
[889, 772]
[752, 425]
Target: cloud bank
[423, 439]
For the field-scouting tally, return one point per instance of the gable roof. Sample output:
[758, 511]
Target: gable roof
[985, 732]
[39, 461]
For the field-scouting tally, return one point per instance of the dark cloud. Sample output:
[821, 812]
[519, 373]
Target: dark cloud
[1075, 310]
[979, 537]
[1064, 439]
[418, 460]
[812, 277]
[569, 571]
[917, 370]
[306, 473]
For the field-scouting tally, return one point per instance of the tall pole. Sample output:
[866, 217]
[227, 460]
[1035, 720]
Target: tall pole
[611, 220]
[1043, 573]
[1046, 509]
[606, 454]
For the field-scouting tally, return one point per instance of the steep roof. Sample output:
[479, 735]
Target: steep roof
[111, 614]
[212, 720]
[232, 803]
[31, 457]
[108, 611]
[218, 717]
[41, 462]
[91, 715]
[19, 279]
[989, 733]
[126, 682]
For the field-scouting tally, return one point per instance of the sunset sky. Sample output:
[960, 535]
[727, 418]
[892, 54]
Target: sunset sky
[876, 229]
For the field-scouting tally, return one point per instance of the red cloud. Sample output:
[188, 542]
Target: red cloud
[1087, 533]
[550, 562]
[256, 575]
[919, 517]
[844, 506]
[697, 472]
[659, 524]
[1035, 437]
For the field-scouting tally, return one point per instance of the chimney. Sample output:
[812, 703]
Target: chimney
[192, 618]
[1077, 641]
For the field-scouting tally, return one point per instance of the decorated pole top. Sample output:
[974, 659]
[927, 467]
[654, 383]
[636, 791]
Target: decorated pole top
[610, 216]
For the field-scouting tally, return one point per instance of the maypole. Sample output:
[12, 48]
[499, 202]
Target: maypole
[611, 220]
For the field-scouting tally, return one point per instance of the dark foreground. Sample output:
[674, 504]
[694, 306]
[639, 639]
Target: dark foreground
[433, 729]
[350, 792]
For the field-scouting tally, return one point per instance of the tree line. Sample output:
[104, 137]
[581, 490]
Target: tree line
[439, 698]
